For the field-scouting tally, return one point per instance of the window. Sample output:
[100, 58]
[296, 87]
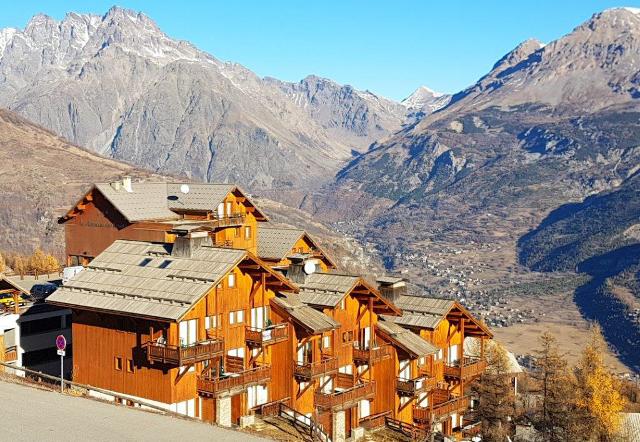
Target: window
[164, 264]
[422, 360]
[212, 321]
[247, 232]
[188, 332]
[347, 336]
[145, 261]
[236, 317]
[118, 363]
[228, 208]
[326, 342]
[231, 280]
[130, 366]
[237, 232]
[221, 210]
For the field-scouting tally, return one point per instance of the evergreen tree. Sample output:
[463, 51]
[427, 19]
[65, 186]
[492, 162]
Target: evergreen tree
[553, 416]
[3, 264]
[496, 396]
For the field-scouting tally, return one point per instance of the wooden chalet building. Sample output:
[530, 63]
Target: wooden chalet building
[150, 211]
[175, 324]
[447, 325]
[191, 299]
[326, 371]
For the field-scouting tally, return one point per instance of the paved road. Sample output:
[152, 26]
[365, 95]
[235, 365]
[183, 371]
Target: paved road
[30, 414]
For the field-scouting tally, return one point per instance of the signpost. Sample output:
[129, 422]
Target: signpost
[61, 344]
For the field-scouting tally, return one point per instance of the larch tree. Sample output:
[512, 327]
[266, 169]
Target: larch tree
[552, 417]
[51, 264]
[20, 265]
[38, 261]
[599, 399]
[496, 396]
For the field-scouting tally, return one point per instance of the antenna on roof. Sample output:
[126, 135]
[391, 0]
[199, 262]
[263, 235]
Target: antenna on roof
[184, 188]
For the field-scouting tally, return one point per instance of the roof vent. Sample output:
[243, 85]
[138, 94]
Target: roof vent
[184, 188]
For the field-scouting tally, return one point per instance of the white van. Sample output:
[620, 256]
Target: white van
[70, 272]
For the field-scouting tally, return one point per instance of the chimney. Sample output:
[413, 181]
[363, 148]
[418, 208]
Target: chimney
[392, 288]
[116, 185]
[300, 267]
[126, 184]
[186, 244]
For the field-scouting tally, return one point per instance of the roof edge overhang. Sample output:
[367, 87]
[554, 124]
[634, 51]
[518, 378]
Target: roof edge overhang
[111, 312]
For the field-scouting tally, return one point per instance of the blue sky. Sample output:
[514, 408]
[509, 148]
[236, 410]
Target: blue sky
[389, 47]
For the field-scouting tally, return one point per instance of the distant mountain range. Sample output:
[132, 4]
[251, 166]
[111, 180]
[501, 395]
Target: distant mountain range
[118, 85]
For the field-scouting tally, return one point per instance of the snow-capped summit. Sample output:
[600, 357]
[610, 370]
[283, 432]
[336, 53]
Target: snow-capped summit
[426, 100]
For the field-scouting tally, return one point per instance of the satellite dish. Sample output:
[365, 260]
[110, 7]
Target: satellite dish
[309, 267]
[184, 188]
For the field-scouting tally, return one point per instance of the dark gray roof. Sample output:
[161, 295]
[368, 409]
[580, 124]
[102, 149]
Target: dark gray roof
[326, 289]
[147, 201]
[420, 311]
[421, 304]
[310, 319]
[389, 279]
[419, 320]
[409, 341]
[277, 242]
[131, 277]
[160, 201]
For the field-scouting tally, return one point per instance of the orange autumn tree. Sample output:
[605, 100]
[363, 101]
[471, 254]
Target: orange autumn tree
[599, 400]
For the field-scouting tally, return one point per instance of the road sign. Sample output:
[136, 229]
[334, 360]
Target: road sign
[61, 342]
[61, 353]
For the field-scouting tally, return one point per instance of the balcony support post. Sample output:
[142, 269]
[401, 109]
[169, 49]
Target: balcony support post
[338, 426]
[223, 411]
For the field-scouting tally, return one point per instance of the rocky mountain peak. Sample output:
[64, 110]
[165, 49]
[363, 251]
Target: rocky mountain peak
[517, 54]
[425, 100]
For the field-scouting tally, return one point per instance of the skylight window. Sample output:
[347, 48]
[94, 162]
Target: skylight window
[145, 262]
[164, 264]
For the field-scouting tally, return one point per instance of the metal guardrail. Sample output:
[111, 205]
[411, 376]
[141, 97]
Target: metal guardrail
[120, 397]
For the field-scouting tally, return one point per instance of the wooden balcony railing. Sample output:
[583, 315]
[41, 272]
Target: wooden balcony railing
[469, 368]
[11, 354]
[180, 355]
[412, 387]
[257, 337]
[453, 405]
[235, 219]
[412, 431]
[372, 355]
[227, 244]
[374, 421]
[343, 400]
[313, 370]
[212, 386]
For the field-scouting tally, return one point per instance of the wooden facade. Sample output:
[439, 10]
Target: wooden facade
[240, 344]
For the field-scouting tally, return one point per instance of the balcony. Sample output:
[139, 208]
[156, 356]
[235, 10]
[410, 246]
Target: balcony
[345, 399]
[412, 387]
[11, 354]
[469, 368]
[257, 337]
[235, 219]
[313, 370]
[372, 355]
[233, 382]
[180, 355]
[442, 409]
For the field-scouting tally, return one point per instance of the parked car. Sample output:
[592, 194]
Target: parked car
[39, 292]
